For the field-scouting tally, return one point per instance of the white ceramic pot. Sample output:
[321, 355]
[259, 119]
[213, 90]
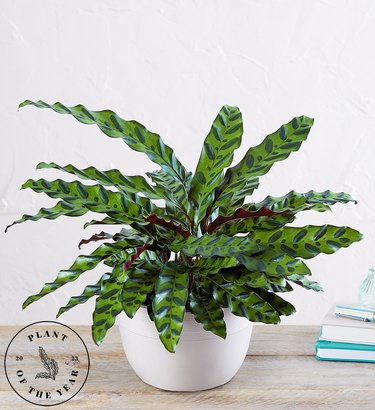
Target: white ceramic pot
[202, 360]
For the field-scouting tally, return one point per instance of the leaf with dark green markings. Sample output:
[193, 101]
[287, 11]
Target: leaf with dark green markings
[209, 313]
[217, 153]
[210, 245]
[282, 306]
[127, 208]
[128, 184]
[296, 202]
[268, 223]
[273, 263]
[140, 282]
[171, 292]
[107, 307]
[307, 241]
[275, 287]
[134, 134]
[175, 193]
[241, 300]
[82, 264]
[206, 266]
[105, 221]
[258, 160]
[305, 283]
[88, 292]
[242, 276]
[62, 208]
[285, 207]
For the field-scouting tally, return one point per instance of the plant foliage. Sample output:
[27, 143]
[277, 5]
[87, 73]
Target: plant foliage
[206, 249]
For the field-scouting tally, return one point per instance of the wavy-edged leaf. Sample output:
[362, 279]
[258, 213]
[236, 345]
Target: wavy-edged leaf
[296, 202]
[156, 220]
[209, 313]
[275, 287]
[175, 192]
[210, 245]
[139, 283]
[82, 264]
[242, 276]
[206, 266]
[282, 306]
[273, 263]
[129, 184]
[171, 292]
[105, 221]
[62, 208]
[127, 208]
[267, 223]
[281, 210]
[217, 153]
[258, 160]
[304, 282]
[241, 300]
[107, 307]
[134, 134]
[88, 292]
[95, 238]
[239, 215]
[307, 241]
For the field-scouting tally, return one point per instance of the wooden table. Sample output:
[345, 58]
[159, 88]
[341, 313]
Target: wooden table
[280, 372]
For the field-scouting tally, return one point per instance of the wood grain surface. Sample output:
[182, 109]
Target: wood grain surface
[280, 372]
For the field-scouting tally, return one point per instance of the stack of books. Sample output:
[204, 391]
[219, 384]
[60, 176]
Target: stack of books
[347, 334]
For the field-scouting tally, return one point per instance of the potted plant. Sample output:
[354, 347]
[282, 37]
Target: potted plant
[202, 267]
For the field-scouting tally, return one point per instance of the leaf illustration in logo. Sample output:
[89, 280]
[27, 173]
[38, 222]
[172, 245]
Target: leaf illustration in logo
[49, 364]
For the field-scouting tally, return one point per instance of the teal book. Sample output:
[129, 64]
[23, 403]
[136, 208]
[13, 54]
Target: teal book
[346, 352]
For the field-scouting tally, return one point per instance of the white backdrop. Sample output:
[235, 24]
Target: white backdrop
[172, 65]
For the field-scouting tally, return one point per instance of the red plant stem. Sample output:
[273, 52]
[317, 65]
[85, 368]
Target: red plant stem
[130, 262]
[154, 219]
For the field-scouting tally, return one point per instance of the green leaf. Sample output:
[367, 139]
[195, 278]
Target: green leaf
[307, 241]
[116, 205]
[169, 303]
[139, 283]
[258, 160]
[287, 206]
[107, 307]
[304, 282]
[175, 193]
[210, 245]
[207, 312]
[217, 153]
[82, 264]
[275, 287]
[134, 134]
[128, 184]
[282, 306]
[88, 292]
[206, 266]
[246, 225]
[273, 263]
[62, 208]
[105, 221]
[241, 300]
[242, 276]
[296, 202]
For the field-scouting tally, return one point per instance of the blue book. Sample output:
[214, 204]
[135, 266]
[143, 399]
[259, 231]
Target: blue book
[345, 352]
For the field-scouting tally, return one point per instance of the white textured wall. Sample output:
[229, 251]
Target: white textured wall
[172, 65]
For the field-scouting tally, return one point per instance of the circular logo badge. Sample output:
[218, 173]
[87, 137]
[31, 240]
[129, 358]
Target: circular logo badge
[47, 363]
